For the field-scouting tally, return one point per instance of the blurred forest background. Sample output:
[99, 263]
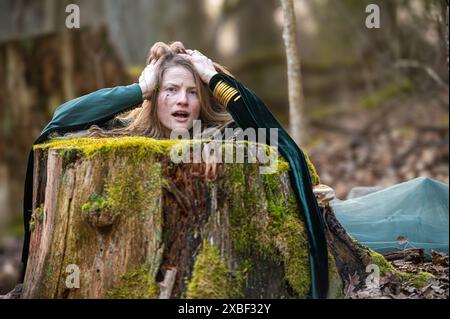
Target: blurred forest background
[376, 100]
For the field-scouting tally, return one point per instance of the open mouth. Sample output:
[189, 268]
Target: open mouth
[180, 115]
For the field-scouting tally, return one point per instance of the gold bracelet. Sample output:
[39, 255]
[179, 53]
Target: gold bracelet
[223, 92]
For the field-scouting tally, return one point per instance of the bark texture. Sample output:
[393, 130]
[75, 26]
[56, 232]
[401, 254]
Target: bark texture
[132, 224]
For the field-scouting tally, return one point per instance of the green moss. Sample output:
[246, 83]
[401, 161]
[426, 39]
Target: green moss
[315, 179]
[336, 286]
[274, 231]
[212, 278]
[95, 202]
[426, 275]
[236, 184]
[418, 280]
[36, 217]
[289, 234]
[138, 284]
[128, 187]
[292, 243]
[381, 262]
[283, 166]
[280, 207]
[89, 147]
[72, 149]
[125, 193]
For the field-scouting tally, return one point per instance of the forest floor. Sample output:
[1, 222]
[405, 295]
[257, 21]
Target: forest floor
[381, 146]
[433, 284]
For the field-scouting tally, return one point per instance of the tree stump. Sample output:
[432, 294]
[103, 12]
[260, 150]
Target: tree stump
[116, 218]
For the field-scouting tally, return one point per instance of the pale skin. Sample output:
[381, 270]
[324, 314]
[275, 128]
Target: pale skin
[202, 64]
[178, 103]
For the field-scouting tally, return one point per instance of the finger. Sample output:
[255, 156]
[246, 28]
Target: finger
[158, 62]
[155, 65]
[147, 69]
[192, 52]
[186, 56]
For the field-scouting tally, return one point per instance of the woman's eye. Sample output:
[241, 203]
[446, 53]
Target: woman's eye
[171, 89]
[193, 92]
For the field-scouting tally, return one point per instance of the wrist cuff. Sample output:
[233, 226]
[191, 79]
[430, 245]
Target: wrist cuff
[222, 91]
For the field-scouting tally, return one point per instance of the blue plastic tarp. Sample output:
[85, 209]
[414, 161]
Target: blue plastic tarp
[413, 214]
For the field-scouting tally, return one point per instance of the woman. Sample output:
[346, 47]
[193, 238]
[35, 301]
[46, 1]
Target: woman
[169, 84]
[177, 87]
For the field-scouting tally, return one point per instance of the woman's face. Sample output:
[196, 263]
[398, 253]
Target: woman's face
[178, 102]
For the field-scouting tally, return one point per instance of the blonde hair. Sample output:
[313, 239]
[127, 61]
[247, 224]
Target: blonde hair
[143, 120]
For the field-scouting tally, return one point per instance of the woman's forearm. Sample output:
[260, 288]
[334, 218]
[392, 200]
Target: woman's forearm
[96, 107]
[248, 110]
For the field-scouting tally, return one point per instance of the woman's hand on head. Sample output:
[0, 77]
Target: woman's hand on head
[203, 65]
[147, 80]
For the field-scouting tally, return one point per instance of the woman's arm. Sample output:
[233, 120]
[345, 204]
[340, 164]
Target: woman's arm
[100, 106]
[248, 110]
[95, 108]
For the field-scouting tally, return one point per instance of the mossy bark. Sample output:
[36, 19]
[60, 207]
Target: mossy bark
[123, 213]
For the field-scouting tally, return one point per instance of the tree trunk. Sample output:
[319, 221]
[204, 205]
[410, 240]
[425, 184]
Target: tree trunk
[36, 76]
[116, 218]
[296, 100]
